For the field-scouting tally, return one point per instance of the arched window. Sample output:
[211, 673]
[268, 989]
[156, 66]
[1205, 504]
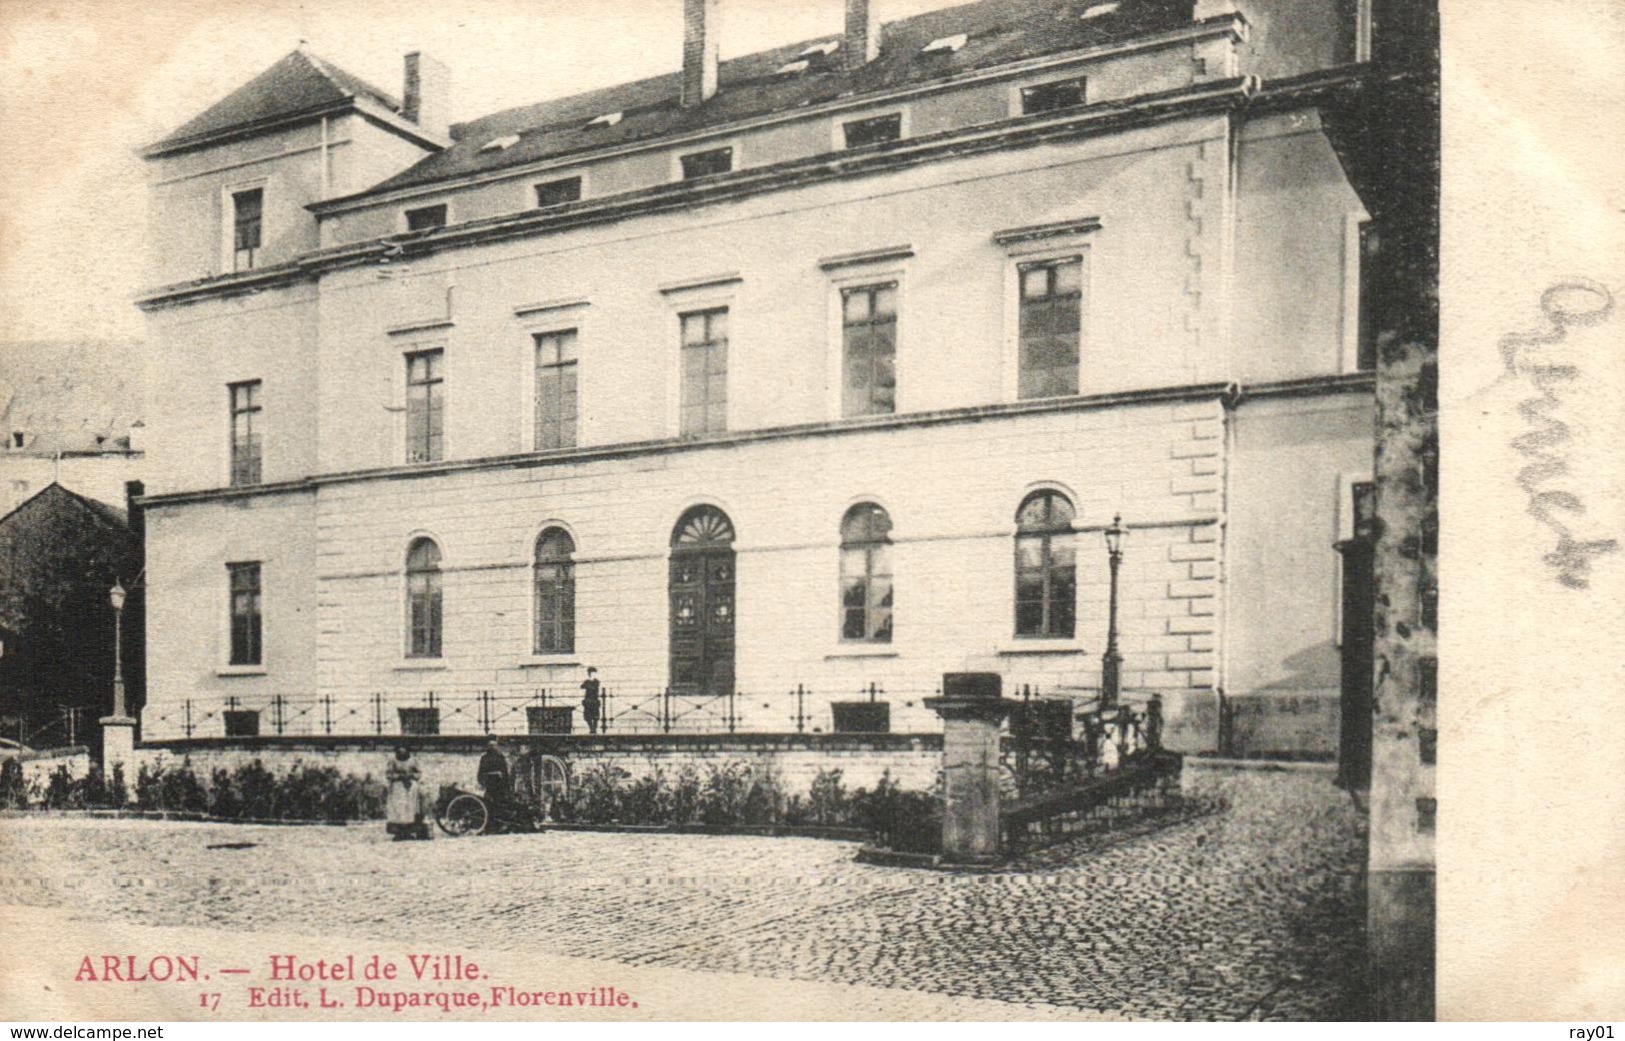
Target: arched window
[1046, 581]
[423, 599]
[866, 582]
[555, 593]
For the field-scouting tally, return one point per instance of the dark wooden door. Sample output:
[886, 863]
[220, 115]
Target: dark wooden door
[701, 591]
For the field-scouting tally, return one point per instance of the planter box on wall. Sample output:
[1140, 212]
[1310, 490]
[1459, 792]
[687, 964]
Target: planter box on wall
[862, 717]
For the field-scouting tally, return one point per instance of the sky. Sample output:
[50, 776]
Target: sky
[85, 83]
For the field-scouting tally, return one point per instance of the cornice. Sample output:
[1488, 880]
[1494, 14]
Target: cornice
[1230, 394]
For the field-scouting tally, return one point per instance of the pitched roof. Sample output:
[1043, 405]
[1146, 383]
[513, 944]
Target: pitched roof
[55, 494]
[300, 82]
[78, 396]
[998, 32]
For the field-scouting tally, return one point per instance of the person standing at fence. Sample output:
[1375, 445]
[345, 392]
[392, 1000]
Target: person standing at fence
[591, 702]
[405, 804]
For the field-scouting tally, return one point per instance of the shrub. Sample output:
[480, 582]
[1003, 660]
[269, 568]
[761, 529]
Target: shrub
[906, 821]
[764, 802]
[13, 790]
[722, 797]
[685, 795]
[646, 800]
[827, 801]
[596, 798]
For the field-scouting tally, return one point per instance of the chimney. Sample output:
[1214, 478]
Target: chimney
[862, 34]
[427, 94]
[699, 51]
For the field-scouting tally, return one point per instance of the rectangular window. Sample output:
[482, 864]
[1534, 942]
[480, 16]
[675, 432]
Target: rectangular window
[1370, 257]
[705, 372]
[245, 432]
[705, 164]
[1051, 320]
[869, 350]
[1052, 97]
[426, 218]
[875, 130]
[556, 390]
[1046, 586]
[245, 613]
[556, 193]
[247, 212]
[425, 406]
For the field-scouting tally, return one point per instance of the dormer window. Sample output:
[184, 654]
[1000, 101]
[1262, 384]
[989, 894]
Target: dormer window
[500, 143]
[247, 210]
[875, 130]
[1052, 97]
[557, 193]
[1098, 10]
[707, 164]
[794, 68]
[426, 218]
[608, 119]
[945, 44]
[825, 49]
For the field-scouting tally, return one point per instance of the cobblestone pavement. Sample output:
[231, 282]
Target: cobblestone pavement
[1249, 910]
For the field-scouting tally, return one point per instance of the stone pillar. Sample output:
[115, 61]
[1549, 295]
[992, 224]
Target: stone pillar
[971, 710]
[118, 750]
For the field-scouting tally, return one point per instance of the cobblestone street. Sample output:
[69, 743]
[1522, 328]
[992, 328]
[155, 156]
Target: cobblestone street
[1249, 909]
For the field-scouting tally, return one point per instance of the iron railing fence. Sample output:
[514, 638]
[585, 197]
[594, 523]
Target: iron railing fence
[1056, 731]
[792, 708]
[1052, 742]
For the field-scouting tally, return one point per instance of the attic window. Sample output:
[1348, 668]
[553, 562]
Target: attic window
[608, 119]
[500, 143]
[557, 193]
[875, 130]
[1052, 97]
[945, 45]
[707, 164]
[18, 438]
[426, 218]
[1098, 10]
[826, 48]
[794, 68]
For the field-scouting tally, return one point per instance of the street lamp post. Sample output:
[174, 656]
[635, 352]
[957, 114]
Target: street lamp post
[118, 730]
[116, 596]
[1111, 663]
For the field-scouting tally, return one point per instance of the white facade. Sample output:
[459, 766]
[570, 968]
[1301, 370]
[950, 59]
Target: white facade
[1219, 410]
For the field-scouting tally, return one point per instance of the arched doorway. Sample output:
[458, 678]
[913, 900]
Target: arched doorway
[701, 591]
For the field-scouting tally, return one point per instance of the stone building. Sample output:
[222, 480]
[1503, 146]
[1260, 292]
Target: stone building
[770, 381]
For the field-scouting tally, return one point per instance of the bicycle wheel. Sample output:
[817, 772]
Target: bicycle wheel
[464, 815]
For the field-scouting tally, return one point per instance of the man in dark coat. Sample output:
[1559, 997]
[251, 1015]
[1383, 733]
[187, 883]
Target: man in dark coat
[493, 775]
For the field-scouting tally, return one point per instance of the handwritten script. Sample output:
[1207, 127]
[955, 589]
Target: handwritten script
[1566, 305]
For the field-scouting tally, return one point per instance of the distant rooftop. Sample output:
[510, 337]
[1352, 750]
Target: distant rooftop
[63, 396]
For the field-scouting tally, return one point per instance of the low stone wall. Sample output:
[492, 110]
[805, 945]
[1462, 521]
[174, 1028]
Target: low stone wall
[912, 760]
[39, 764]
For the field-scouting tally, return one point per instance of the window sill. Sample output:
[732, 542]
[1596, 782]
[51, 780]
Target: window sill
[240, 670]
[863, 650]
[1041, 646]
[550, 660]
[424, 665]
